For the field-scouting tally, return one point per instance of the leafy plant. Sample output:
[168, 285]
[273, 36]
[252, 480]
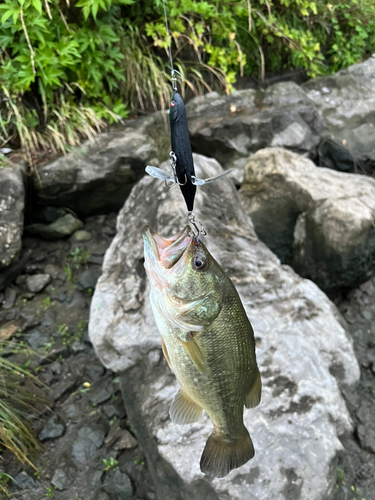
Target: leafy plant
[110, 464]
[67, 69]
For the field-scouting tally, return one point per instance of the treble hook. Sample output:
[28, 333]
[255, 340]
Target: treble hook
[173, 162]
[202, 231]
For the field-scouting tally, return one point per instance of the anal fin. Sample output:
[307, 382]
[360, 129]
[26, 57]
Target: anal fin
[252, 398]
[194, 352]
[184, 410]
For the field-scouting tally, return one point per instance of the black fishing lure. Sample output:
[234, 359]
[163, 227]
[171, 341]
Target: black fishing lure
[182, 149]
[181, 156]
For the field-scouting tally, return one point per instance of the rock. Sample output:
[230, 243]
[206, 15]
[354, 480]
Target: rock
[95, 479]
[37, 339]
[12, 193]
[347, 102]
[100, 394]
[81, 235]
[229, 128]
[37, 282]
[24, 481]
[52, 270]
[318, 220]
[54, 428]
[88, 279]
[125, 441]
[8, 275]
[118, 484]
[304, 354]
[64, 385]
[86, 444]
[98, 176]
[61, 228]
[9, 298]
[120, 439]
[65, 474]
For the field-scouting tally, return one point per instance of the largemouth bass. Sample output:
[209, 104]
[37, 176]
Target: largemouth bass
[208, 342]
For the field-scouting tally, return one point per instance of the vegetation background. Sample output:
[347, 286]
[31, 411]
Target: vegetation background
[70, 67]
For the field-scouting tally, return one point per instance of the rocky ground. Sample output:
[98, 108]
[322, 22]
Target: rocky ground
[356, 467]
[89, 450]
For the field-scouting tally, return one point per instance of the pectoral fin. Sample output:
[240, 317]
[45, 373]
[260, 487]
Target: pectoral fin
[252, 398]
[165, 352]
[184, 410]
[194, 352]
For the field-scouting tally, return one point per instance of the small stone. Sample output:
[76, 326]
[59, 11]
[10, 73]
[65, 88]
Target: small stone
[125, 441]
[78, 346]
[110, 411]
[96, 259]
[81, 235]
[88, 279]
[119, 484]
[10, 298]
[24, 481]
[21, 279]
[94, 372]
[63, 386]
[64, 475]
[95, 479]
[367, 314]
[37, 282]
[100, 395]
[100, 248]
[108, 230]
[73, 412]
[52, 270]
[53, 429]
[101, 495]
[61, 228]
[37, 339]
[86, 444]
[366, 436]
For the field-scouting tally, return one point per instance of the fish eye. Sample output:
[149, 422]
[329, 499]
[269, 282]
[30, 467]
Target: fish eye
[173, 103]
[199, 263]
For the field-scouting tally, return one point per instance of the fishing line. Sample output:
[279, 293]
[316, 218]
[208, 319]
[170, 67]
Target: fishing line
[173, 71]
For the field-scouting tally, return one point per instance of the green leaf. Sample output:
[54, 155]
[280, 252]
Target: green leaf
[37, 4]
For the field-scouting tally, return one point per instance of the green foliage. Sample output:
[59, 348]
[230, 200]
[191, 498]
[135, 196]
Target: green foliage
[110, 464]
[68, 68]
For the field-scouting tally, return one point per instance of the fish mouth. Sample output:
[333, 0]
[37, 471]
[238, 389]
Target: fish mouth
[168, 251]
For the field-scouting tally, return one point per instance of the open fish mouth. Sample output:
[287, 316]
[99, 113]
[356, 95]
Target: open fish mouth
[168, 251]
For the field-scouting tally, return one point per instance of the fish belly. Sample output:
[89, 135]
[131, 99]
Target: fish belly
[230, 368]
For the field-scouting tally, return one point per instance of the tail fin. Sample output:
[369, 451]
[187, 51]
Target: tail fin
[219, 457]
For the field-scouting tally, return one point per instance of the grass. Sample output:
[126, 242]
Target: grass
[148, 80]
[20, 403]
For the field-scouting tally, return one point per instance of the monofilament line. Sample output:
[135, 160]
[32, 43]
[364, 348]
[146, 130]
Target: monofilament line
[169, 45]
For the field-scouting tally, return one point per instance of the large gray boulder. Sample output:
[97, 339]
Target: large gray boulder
[231, 127]
[316, 219]
[303, 351]
[347, 103]
[12, 202]
[98, 176]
